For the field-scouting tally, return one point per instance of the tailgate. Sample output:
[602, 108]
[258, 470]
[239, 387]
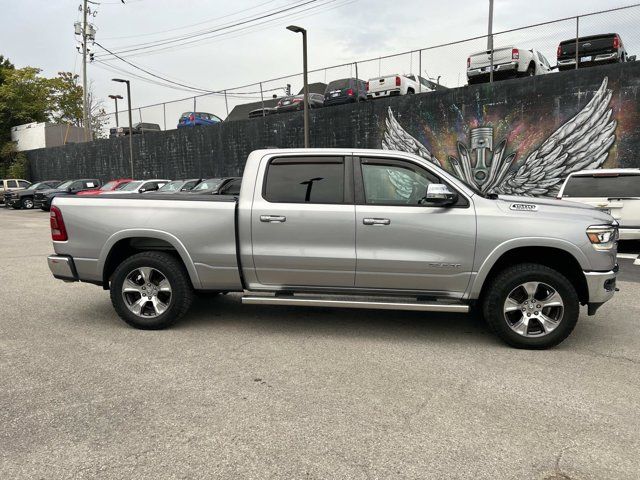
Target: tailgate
[482, 59]
[587, 46]
[381, 84]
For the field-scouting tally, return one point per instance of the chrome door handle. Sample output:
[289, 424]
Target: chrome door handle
[376, 221]
[273, 218]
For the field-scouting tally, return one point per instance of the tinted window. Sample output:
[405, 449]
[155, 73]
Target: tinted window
[395, 183]
[12, 184]
[232, 188]
[186, 187]
[339, 84]
[23, 183]
[291, 180]
[599, 186]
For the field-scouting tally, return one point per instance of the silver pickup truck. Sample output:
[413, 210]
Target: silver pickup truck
[350, 229]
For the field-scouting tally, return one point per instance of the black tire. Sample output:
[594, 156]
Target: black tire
[531, 71]
[175, 273]
[26, 203]
[504, 284]
[410, 91]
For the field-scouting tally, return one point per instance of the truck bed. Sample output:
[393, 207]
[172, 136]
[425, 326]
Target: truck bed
[200, 228]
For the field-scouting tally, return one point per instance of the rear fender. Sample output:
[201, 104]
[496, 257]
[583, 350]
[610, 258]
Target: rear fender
[150, 233]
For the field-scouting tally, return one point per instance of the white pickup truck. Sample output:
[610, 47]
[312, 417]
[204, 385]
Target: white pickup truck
[508, 62]
[397, 84]
[350, 229]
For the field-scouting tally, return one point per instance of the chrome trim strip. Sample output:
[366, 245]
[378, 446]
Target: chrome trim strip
[319, 302]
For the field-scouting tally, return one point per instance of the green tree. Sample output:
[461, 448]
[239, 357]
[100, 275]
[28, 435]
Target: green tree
[5, 65]
[25, 97]
[66, 99]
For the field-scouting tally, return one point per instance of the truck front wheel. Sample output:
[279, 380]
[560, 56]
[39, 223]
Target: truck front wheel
[151, 290]
[531, 306]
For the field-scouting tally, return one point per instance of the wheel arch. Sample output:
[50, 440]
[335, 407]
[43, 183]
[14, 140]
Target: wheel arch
[126, 243]
[567, 259]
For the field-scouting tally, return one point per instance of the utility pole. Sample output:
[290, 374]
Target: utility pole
[85, 105]
[490, 41]
[86, 32]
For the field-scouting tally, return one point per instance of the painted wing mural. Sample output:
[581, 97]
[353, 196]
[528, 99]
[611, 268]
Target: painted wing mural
[583, 142]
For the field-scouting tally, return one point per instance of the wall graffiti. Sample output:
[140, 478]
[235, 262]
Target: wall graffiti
[582, 142]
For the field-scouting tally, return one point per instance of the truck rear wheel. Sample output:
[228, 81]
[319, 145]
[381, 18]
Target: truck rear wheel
[151, 290]
[531, 306]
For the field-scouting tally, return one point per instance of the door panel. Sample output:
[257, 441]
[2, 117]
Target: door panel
[299, 237]
[421, 248]
[402, 243]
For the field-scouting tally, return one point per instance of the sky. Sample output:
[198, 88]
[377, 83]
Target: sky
[40, 33]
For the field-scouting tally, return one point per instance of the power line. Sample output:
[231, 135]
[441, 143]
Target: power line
[151, 73]
[246, 29]
[148, 45]
[159, 32]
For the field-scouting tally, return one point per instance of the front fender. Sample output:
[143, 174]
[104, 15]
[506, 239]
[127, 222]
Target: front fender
[149, 233]
[491, 259]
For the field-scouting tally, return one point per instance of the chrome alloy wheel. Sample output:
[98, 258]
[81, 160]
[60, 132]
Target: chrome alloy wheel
[146, 292]
[533, 309]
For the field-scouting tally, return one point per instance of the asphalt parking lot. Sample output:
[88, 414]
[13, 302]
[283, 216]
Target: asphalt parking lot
[270, 392]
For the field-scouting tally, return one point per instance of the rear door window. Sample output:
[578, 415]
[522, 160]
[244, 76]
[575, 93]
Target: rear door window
[308, 180]
[601, 186]
[12, 184]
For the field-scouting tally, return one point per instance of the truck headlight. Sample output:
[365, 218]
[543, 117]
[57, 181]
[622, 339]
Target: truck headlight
[602, 237]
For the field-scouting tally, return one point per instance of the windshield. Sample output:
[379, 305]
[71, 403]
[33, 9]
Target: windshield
[208, 184]
[64, 185]
[33, 186]
[108, 186]
[129, 187]
[172, 186]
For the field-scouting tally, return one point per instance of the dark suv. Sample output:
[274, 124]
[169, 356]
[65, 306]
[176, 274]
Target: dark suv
[24, 198]
[43, 198]
[592, 50]
[345, 90]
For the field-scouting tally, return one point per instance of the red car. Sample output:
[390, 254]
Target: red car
[107, 187]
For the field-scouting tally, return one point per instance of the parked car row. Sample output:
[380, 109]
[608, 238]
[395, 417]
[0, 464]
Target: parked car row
[351, 90]
[513, 61]
[41, 194]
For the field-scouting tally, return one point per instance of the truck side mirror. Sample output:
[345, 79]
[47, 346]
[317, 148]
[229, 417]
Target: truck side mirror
[439, 194]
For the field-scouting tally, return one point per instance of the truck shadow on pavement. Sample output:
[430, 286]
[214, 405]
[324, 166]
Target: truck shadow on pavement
[341, 322]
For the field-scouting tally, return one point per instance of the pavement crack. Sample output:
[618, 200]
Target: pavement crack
[594, 353]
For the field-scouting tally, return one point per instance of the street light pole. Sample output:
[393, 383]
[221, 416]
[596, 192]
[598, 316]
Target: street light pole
[301, 30]
[490, 41]
[121, 80]
[116, 98]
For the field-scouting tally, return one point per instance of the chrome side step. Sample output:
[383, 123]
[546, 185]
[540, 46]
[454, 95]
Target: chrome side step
[302, 301]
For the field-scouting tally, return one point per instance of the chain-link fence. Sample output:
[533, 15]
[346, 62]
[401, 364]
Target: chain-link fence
[445, 65]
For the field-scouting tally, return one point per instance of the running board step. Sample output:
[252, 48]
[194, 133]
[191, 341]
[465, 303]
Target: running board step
[343, 303]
